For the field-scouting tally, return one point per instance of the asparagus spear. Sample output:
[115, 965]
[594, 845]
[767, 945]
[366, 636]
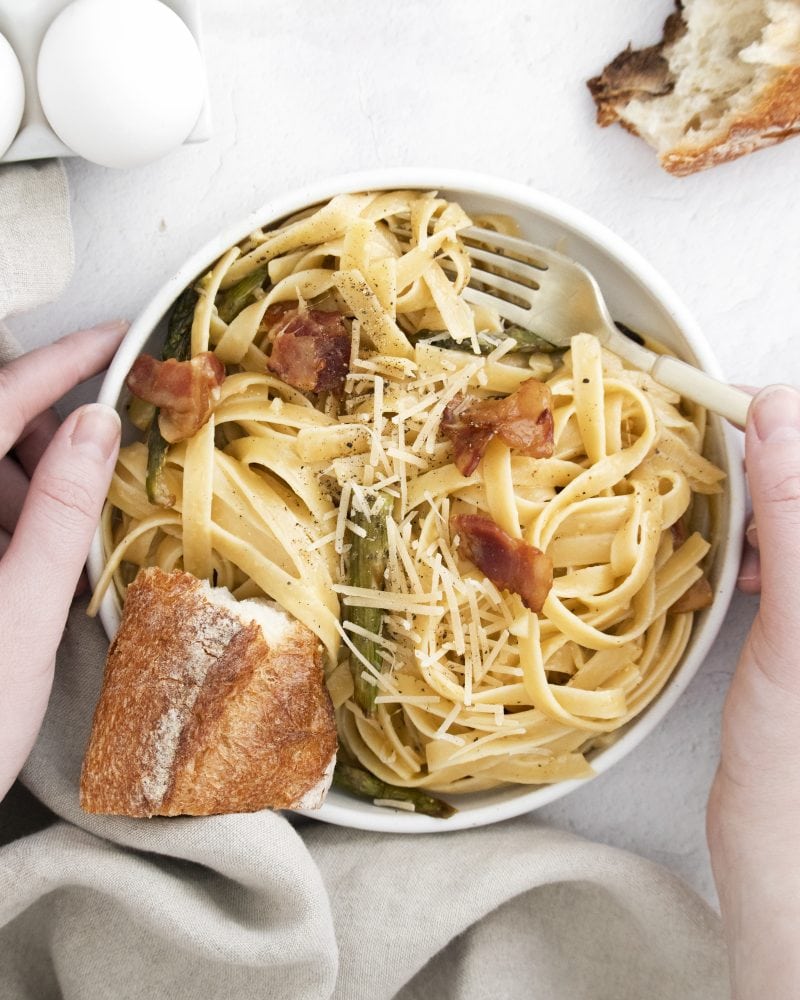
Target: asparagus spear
[231, 302]
[157, 491]
[367, 566]
[527, 342]
[364, 785]
[140, 413]
[178, 344]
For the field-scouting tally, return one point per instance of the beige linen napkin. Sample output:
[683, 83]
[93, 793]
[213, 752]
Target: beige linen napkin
[36, 251]
[252, 906]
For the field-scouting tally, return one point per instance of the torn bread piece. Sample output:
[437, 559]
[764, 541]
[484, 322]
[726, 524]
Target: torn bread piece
[208, 705]
[723, 81]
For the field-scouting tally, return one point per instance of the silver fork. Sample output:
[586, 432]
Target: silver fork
[556, 298]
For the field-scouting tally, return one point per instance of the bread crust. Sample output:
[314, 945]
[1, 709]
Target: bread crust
[198, 714]
[636, 73]
[644, 75]
[775, 117]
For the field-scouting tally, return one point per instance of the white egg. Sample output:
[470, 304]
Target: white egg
[12, 95]
[121, 81]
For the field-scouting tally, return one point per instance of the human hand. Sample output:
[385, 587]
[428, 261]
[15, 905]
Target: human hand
[754, 808]
[51, 494]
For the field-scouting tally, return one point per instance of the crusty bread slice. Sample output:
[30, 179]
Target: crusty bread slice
[723, 81]
[208, 705]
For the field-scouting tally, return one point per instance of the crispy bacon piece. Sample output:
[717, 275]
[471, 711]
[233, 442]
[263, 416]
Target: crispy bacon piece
[509, 563]
[310, 349]
[524, 420]
[697, 597]
[274, 315]
[185, 392]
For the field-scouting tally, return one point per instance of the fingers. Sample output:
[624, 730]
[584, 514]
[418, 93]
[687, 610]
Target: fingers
[38, 434]
[45, 558]
[14, 486]
[749, 580]
[35, 381]
[773, 469]
[13, 489]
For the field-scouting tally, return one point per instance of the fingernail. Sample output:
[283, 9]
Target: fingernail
[96, 431]
[114, 326]
[776, 414]
[751, 534]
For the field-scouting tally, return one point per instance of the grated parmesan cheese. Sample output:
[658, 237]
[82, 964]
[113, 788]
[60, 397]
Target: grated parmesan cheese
[403, 805]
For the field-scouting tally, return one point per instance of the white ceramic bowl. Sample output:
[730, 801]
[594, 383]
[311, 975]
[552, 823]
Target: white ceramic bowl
[637, 296]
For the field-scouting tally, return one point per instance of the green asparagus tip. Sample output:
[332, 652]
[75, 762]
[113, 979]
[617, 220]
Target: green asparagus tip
[178, 345]
[231, 302]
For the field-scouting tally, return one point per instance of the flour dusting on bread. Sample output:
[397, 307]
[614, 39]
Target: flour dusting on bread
[155, 781]
[208, 705]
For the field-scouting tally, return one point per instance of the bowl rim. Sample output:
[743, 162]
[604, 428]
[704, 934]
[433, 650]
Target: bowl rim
[637, 269]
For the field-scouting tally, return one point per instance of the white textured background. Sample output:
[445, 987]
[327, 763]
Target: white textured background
[304, 89]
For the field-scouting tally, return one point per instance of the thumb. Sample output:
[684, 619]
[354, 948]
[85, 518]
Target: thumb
[48, 550]
[773, 470]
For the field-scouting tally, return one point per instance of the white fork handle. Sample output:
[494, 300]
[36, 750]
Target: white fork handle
[726, 400]
[694, 384]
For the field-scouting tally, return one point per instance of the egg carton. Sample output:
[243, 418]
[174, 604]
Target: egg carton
[24, 23]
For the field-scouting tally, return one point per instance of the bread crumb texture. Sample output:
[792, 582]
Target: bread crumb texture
[199, 713]
[723, 81]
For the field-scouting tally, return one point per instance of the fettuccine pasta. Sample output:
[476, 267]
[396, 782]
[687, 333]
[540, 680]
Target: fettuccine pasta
[474, 689]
